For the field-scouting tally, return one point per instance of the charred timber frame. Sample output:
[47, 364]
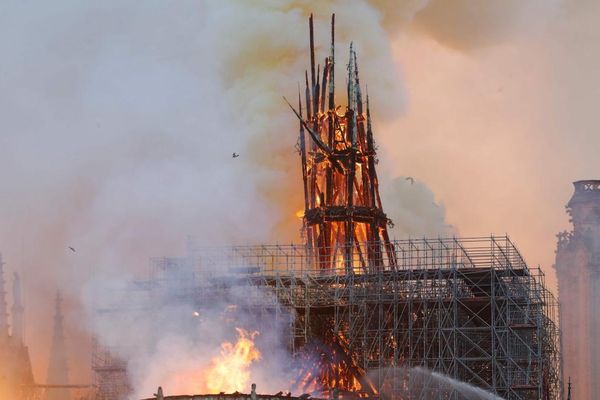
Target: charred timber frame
[343, 209]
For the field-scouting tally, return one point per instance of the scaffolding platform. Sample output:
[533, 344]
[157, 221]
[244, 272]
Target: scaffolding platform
[468, 308]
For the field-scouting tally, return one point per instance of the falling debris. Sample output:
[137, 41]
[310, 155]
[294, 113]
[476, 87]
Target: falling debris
[72, 249]
[235, 155]
[410, 179]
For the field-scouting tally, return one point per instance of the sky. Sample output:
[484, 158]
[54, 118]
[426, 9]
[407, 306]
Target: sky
[118, 120]
[499, 130]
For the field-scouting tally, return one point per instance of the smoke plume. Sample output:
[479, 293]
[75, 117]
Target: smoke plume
[187, 346]
[119, 120]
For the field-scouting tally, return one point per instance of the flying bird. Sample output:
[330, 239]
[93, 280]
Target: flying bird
[72, 249]
[235, 155]
[411, 179]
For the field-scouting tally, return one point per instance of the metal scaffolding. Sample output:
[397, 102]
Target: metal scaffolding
[468, 308]
[110, 374]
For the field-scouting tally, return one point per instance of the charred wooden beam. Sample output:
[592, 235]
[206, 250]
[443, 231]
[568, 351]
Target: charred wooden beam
[342, 202]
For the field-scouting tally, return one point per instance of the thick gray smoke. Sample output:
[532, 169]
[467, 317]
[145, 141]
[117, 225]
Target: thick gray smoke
[119, 120]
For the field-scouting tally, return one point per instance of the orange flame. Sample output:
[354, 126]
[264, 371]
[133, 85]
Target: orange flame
[229, 372]
[329, 366]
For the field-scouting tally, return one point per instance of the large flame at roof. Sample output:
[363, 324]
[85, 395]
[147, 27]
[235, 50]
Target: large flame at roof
[229, 372]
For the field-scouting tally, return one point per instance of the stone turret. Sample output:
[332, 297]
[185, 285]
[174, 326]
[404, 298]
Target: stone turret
[18, 310]
[4, 326]
[58, 371]
[578, 272]
[16, 376]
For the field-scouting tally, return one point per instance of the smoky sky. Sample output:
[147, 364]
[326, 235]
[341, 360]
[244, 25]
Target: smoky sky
[118, 121]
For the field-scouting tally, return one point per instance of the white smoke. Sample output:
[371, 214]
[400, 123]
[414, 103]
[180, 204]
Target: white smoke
[169, 337]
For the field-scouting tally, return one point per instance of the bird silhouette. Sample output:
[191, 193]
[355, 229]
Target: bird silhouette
[72, 249]
[411, 179]
[235, 155]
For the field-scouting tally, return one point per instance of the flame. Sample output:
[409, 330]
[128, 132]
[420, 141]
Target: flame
[300, 214]
[329, 366]
[229, 372]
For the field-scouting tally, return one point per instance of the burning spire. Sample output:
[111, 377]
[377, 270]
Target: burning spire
[3, 303]
[17, 310]
[346, 228]
[58, 371]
